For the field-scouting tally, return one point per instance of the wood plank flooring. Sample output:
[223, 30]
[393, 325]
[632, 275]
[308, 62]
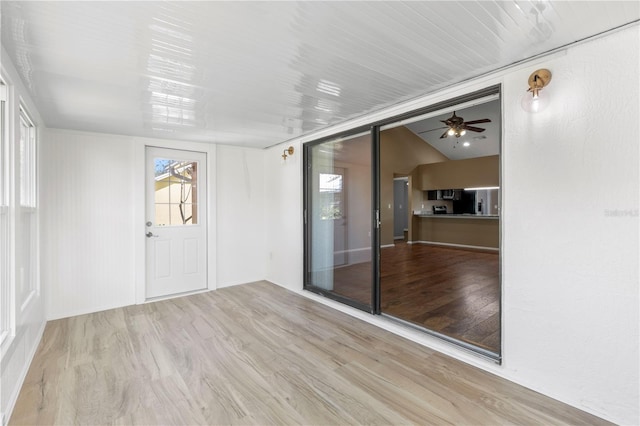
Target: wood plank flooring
[451, 291]
[257, 354]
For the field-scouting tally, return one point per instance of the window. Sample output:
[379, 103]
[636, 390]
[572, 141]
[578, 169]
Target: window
[330, 188]
[5, 311]
[26, 284]
[28, 161]
[176, 195]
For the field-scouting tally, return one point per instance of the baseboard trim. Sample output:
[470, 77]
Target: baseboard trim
[23, 375]
[460, 246]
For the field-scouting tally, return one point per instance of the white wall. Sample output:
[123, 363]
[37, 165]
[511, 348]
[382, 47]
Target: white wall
[285, 255]
[570, 264]
[570, 270]
[242, 222]
[28, 313]
[87, 224]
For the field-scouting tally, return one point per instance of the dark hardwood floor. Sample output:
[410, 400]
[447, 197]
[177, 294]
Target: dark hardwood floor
[452, 291]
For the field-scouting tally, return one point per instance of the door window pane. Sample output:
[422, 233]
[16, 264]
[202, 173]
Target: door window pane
[176, 192]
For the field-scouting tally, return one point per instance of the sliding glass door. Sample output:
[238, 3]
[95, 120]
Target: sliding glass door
[443, 274]
[404, 220]
[338, 219]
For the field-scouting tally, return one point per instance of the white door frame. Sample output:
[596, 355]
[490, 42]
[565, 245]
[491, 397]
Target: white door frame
[139, 209]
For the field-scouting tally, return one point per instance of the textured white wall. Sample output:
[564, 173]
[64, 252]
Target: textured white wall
[241, 224]
[570, 265]
[570, 269]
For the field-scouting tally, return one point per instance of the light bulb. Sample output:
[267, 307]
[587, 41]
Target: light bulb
[462, 133]
[451, 132]
[535, 102]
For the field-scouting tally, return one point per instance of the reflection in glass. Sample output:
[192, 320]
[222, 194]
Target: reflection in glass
[176, 192]
[340, 218]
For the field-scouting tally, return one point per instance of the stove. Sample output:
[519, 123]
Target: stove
[439, 209]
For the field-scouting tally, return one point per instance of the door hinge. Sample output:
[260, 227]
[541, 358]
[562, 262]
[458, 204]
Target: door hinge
[377, 219]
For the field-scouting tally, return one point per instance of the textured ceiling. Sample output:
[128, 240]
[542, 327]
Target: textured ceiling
[259, 73]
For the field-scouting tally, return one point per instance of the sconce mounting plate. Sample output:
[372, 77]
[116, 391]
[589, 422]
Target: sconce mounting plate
[539, 78]
[287, 152]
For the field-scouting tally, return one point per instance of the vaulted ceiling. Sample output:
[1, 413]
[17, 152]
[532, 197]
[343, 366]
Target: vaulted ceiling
[259, 73]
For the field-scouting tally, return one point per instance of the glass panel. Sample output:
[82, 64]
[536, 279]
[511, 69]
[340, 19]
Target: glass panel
[442, 272]
[181, 214]
[340, 218]
[5, 296]
[28, 161]
[24, 163]
[176, 192]
[163, 218]
[180, 192]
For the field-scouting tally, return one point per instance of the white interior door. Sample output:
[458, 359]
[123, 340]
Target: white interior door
[176, 221]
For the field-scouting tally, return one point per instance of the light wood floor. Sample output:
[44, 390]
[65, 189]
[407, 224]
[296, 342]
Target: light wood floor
[258, 354]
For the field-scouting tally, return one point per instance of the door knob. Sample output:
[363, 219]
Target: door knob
[150, 235]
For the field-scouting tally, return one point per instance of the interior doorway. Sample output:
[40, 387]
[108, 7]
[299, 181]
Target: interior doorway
[400, 212]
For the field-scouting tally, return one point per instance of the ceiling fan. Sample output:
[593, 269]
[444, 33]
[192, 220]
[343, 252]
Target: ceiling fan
[456, 126]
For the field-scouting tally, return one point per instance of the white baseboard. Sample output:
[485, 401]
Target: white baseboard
[23, 375]
[464, 246]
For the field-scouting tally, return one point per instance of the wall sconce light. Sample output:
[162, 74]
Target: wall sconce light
[287, 152]
[535, 100]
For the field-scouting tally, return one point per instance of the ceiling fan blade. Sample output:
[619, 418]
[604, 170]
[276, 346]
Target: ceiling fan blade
[483, 120]
[444, 135]
[431, 130]
[474, 129]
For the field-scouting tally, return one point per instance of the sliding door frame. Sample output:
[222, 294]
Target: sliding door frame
[375, 128]
[375, 218]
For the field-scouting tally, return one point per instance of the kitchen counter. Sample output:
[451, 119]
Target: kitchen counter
[455, 216]
[465, 230]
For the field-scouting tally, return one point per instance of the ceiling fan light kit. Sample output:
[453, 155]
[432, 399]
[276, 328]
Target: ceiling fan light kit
[535, 99]
[456, 126]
